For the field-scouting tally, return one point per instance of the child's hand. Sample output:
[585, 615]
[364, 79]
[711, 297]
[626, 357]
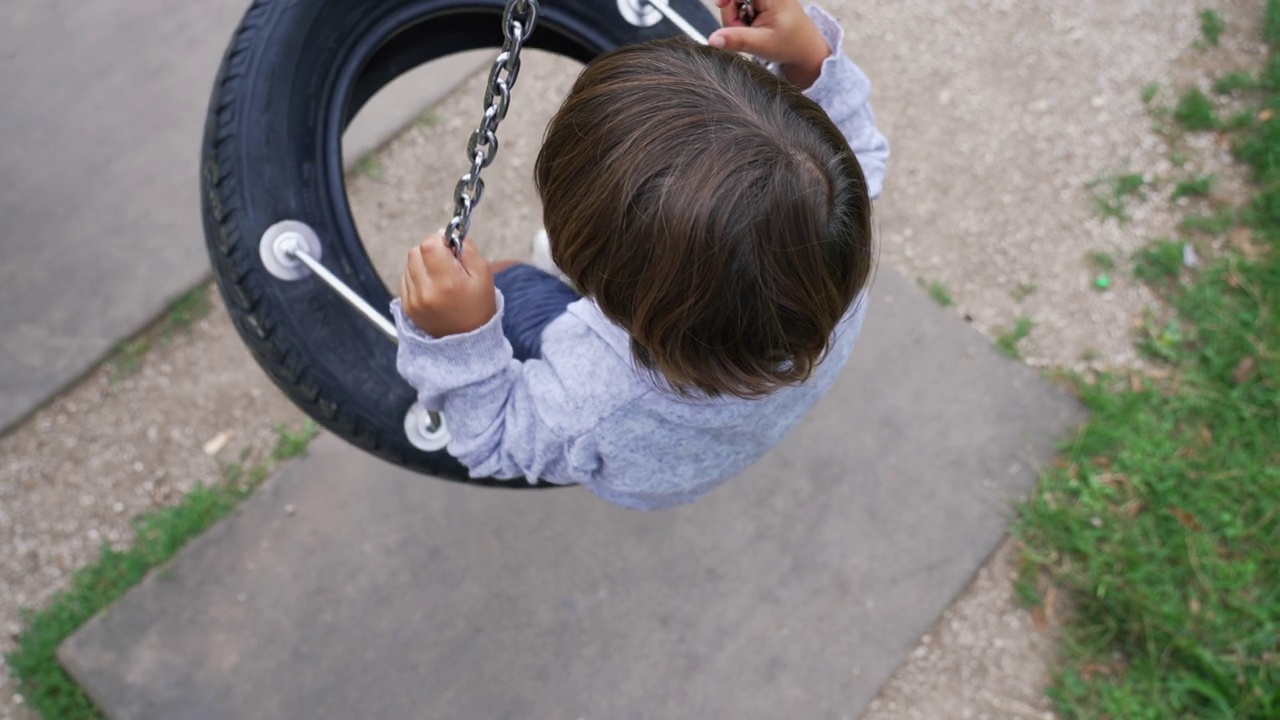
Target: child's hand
[444, 295]
[781, 32]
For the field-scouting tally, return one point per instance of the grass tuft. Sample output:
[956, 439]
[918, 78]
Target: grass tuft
[937, 291]
[293, 443]
[1235, 82]
[371, 166]
[1007, 341]
[1219, 223]
[188, 309]
[1023, 291]
[1198, 187]
[1159, 262]
[1110, 193]
[1195, 111]
[1212, 26]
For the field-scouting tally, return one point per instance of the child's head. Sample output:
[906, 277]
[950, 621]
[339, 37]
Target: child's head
[710, 209]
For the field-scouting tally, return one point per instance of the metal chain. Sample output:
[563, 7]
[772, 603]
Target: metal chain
[518, 21]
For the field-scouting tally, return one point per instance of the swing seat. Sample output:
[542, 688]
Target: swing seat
[294, 76]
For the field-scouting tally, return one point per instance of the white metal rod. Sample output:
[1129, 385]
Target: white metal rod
[676, 19]
[341, 288]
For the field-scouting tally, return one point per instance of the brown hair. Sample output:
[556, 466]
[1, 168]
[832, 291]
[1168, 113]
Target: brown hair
[711, 210]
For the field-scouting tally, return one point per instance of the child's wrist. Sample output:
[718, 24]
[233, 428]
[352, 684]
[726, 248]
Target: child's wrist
[805, 69]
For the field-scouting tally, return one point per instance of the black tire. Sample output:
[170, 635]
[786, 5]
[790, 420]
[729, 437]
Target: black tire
[292, 79]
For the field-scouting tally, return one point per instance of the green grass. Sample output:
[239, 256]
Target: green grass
[1149, 92]
[1022, 291]
[1110, 193]
[180, 316]
[40, 679]
[1161, 521]
[1159, 262]
[128, 357]
[1197, 187]
[1102, 261]
[291, 444]
[1196, 111]
[1219, 223]
[371, 166]
[1212, 26]
[428, 119]
[1235, 82]
[938, 292]
[1007, 341]
[187, 309]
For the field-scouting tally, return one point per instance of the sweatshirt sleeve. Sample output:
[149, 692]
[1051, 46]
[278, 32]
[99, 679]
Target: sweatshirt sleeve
[844, 91]
[489, 400]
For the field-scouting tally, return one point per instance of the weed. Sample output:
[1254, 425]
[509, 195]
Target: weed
[1162, 341]
[1090, 355]
[1220, 223]
[128, 358]
[1211, 26]
[258, 473]
[1235, 82]
[187, 309]
[1027, 584]
[1199, 187]
[293, 443]
[371, 166]
[1007, 342]
[1239, 121]
[938, 292]
[428, 119]
[1195, 111]
[1179, 159]
[182, 313]
[1149, 93]
[1271, 27]
[1102, 261]
[1159, 262]
[1110, 193]
[1023, 291]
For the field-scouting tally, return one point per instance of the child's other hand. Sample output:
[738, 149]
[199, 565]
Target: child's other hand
[781, 32]
[444, 295]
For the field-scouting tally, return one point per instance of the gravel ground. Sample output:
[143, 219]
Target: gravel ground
[1000, 114]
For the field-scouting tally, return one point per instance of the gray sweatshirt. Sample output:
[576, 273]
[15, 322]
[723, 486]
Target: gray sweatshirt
[586, 414]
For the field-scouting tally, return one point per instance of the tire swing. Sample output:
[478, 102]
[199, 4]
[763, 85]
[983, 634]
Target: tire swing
[289, 264]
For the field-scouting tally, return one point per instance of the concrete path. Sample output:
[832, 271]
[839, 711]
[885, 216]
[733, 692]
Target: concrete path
[791, 592]
[104, 103]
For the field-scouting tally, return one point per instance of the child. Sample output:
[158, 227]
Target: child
[717, 224]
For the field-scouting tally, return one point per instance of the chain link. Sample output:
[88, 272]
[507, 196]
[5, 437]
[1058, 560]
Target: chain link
[518, 21]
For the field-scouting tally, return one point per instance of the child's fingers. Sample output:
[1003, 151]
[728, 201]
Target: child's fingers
[473, 261]
[438, 259]
[415, 271]
[742, 39]
[729, 12]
